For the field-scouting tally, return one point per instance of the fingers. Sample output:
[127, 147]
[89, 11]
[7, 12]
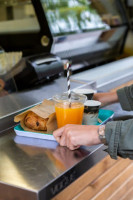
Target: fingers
[65, 136]
[73, 136]
[58, 133]
[71, 141]
[63, 139]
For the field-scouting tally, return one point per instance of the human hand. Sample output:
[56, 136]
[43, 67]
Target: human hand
[73, 136]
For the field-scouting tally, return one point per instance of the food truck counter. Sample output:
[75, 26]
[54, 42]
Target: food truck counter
[38, 169]
[35, 168]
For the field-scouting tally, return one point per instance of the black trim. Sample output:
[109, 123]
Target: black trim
[42, 19]
[29, 43]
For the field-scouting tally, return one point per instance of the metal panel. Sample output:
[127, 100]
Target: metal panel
[39, 169]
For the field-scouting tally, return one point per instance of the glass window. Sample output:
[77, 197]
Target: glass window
[109, 11]
[81, 15]
[72, 16]
[17, 16]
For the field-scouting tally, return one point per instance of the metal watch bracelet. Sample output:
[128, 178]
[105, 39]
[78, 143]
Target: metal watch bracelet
[101, 133]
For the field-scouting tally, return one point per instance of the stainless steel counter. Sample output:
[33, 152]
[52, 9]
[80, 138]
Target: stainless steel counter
[38, 169]
[34, 169]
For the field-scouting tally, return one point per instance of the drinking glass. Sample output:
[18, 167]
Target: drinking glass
[69, 111]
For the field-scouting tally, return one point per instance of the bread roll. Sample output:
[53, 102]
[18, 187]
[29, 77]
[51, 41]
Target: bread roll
[35, 122]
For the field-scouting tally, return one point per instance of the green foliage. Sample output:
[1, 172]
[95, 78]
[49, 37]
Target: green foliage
[55, 4]
[61, 11]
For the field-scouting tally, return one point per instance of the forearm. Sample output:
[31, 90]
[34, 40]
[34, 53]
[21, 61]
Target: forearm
[106, 98]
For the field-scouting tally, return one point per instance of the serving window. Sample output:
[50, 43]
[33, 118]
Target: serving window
[72, 16]
[18, 17]
[87, 32]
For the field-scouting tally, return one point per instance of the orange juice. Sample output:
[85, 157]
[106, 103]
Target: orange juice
[67, 114]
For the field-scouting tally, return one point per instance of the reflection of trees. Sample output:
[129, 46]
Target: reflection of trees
[70, 16]
[83, 2]
[52, 4]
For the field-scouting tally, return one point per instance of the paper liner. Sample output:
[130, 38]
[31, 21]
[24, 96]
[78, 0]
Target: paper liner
[45, 110]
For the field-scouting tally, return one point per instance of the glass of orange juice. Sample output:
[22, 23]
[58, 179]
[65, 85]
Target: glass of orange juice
[69, 112]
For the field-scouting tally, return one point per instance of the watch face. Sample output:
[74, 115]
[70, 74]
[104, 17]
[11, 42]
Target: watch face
[101, 133]
[103, 139]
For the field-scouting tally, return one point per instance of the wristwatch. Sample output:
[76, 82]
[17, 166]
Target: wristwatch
[101, 133]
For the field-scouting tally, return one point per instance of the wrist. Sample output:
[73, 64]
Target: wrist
[101, 134]
[114, 97]
[96, 140]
